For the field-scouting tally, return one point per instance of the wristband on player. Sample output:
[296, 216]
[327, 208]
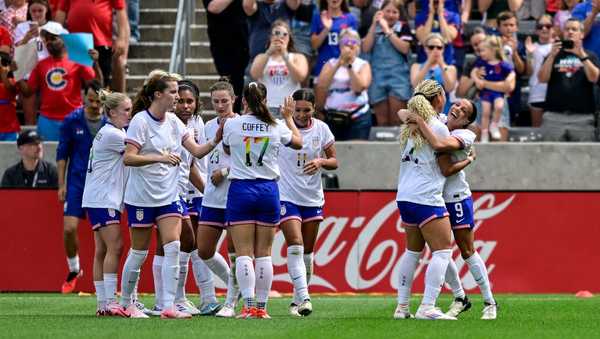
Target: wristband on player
[225, 171]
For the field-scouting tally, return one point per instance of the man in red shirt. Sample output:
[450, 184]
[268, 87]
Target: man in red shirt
[59, 82]
[9, 124]
[96, 17]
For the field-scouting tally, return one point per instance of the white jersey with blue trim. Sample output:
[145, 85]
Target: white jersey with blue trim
[154, 185]
[457, 188]
[294, 185]
[254, 147]
[187, 190]
[106, 173]
[420, 180]
[215, 196]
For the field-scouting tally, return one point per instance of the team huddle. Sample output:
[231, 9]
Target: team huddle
[249, 174]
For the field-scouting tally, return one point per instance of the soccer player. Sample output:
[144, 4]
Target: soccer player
[459, 202]
[253, 140]
[211, 221]
[77, 134]
[103, 199]
[421, 205]
[154, 141]
[301, 195]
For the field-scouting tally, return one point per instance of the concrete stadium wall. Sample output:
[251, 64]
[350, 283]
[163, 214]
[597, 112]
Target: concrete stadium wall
[499, 166]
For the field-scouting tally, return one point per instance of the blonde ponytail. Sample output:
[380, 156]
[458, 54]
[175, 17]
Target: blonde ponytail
[420, 104]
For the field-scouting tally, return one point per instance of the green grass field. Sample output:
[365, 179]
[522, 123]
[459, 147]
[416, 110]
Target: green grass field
[519, 316]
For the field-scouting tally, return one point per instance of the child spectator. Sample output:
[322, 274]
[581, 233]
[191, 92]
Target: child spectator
[335, 16]
[388, 45]
[280, 69]
[538, 51]
[492, 102]
[437, 20]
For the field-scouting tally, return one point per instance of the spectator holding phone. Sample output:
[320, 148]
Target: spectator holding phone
[571, 73]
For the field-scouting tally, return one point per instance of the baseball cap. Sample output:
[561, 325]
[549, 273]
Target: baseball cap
[28, 137]
[55, 28]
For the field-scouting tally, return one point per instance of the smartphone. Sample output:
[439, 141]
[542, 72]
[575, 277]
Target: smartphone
[567, 44]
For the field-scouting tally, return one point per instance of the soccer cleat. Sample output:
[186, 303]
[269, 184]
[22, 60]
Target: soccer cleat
[187, 307]
[174, 313]
[402, 312]
[156, 311]
[246, 313]
[133, 312]
[140, 306]
[227, 311]
[458, 306]
[114, 309]
[69, 285]
[489, 311]
[260, 313]
[210, 308]
[293, 310]
[305, 308]
[495, 131]
[431, 313]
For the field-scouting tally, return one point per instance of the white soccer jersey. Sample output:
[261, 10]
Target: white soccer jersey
[215, 196]
[196, 125]
[155, 184]
[457, 188]
[294, 185]
[106, 173]
[420, 179]
[255, 147]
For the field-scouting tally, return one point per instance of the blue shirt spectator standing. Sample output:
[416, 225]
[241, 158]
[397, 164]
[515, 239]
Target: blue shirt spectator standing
[437, 20]
[587, 12]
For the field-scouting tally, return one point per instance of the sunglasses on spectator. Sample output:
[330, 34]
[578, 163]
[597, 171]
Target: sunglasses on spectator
[542, 26]
[280, 34]
[432, 47]
[303, 110]
[350, 42]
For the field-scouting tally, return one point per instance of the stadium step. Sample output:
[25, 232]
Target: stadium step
[165, 32]
[166, 16]
[193, 66]
[165, 3]
[162, 49]
[134, 82]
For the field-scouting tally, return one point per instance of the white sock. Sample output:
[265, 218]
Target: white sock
[110, 287]
[264, 280]
[100, 294]
[244, 272]
[480, 274]
[297, 272]
[170, 273]
[232, 289]
[184, 263]
[157, 264]
[406, 273]
[308, 263]
[218, 266]
[204, 279]
[434, 276]
[73, 264]
[453, 280]
[131, 274]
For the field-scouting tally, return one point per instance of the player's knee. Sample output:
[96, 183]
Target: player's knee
[70, 229]
[466, 249]
[295, 241]
[206, 253]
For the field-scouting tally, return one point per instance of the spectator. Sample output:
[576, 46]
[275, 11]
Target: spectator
[59, 82]
[552, 6]
[301, 24]
[227, 18]
[491, 9]
[280, 69]
[463, 7]
[537, 52]
[571, 73]
[435, 67]
[335, 16]
[342, 87]
[437, 20]
[32, 170]
[261, 15]
[96, 17]
[133, 14]
[15, 13]
[388, 45]
[516, 55]
[490, 66]
[531, 9]
[39, 15]
[9, 124]
[587, 12]
[368, 8]
[6, 40]
[467, 88]
[76, 136]
[565, 12]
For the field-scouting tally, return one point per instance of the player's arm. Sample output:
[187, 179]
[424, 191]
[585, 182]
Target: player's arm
[328, 163]
[439, 145]
[133, 158]
[200, 151]
[196, 178]
[448, 167]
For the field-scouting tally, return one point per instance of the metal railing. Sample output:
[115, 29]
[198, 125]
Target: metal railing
[186, 17]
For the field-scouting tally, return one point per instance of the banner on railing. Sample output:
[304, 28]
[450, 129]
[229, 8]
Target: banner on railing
[531, 242]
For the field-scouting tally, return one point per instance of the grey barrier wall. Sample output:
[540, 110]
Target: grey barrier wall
[499, 166]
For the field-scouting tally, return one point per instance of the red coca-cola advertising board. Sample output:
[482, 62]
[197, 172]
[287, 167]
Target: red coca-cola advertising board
[531, 242]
